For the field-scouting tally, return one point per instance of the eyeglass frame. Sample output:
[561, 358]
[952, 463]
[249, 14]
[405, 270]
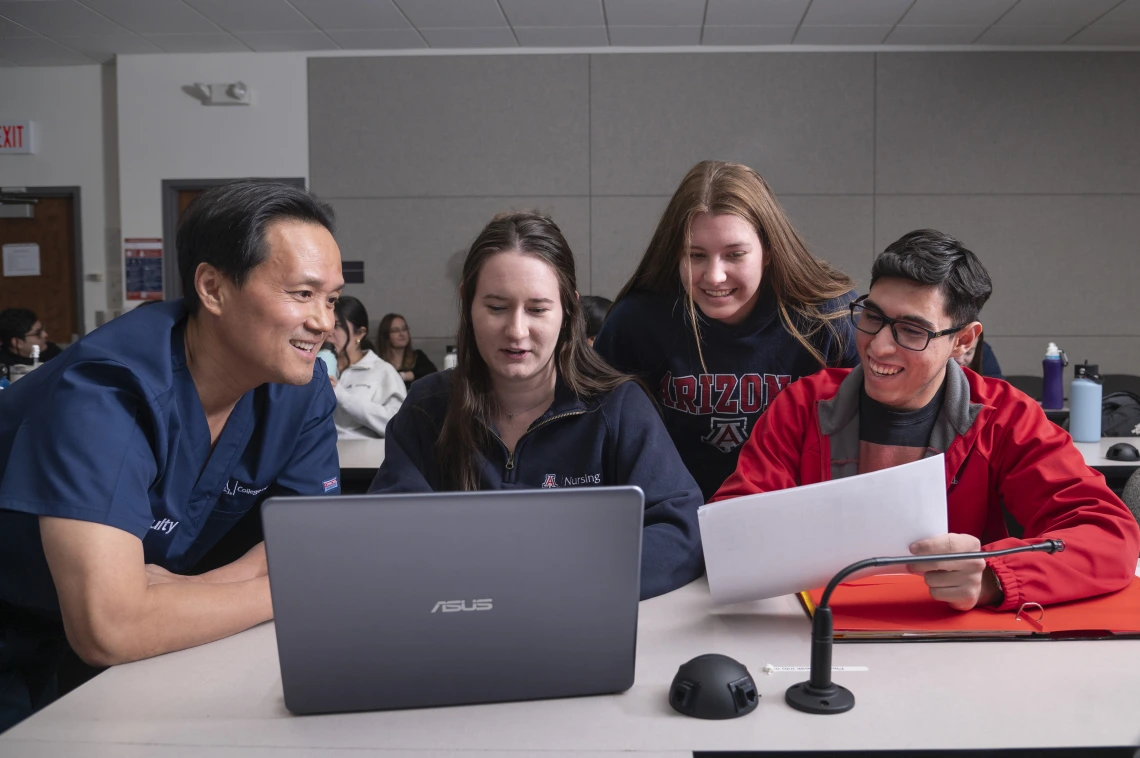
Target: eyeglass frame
[888, 321]
[35, 333]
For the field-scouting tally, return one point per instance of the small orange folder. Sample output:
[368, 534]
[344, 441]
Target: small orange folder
[898, 606]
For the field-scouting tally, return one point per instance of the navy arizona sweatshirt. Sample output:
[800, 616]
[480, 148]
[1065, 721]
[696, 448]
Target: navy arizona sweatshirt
[710, 414]
[615, 439]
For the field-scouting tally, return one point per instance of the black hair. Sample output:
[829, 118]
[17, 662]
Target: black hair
[225, 227]
[352, 313]
[930, 257]
[595, 308]
[15, 323]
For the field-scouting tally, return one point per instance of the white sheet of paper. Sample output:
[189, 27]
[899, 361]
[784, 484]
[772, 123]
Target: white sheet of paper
[22, 259]
[776, 543]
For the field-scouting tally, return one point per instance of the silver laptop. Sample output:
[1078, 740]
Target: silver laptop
[405, 601]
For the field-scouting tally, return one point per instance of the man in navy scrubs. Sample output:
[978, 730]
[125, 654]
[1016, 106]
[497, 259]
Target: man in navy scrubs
[126, 458]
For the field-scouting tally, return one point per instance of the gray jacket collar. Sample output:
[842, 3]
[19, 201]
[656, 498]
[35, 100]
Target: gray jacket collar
[839, 419]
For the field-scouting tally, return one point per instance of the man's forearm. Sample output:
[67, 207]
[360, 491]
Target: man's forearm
[249, 566]
[174, 616]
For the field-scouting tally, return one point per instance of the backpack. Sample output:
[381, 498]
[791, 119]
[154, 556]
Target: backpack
[1120, 415]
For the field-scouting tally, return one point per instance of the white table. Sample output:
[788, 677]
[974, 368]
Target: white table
[360, 454]
[224, 699]
[1094, 453]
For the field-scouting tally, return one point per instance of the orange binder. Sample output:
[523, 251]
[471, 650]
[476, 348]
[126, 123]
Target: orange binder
[898, 607]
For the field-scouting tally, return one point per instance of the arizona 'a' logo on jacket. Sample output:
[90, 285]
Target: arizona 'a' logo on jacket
[549, 482]
[725, 397]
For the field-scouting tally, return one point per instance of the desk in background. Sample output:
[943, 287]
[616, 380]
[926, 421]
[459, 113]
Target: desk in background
[359, 460]
[224, 699]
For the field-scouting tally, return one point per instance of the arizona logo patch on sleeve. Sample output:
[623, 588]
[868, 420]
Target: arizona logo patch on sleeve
[330, 484]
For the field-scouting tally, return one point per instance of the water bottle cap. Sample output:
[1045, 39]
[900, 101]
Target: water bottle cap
[1053, 351]
[1087, 370]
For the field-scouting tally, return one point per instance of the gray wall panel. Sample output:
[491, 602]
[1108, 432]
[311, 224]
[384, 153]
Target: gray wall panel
[1061, 265]
[413, 250]
[1030, 158]
[1008, 122]
[803, 121]
[431, 126]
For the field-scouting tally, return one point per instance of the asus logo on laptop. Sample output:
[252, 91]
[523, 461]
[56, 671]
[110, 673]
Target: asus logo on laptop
[451, 606]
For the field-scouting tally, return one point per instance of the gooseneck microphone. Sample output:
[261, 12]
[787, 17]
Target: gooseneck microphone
[819, 694]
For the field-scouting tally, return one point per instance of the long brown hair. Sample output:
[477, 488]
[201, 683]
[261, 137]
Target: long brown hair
[465, 427]
[800, 282]
[384, 342]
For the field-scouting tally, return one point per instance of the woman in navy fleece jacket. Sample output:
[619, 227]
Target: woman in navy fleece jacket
[531, 405]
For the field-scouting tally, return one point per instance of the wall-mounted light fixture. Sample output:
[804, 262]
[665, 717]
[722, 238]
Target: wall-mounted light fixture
[234, 93]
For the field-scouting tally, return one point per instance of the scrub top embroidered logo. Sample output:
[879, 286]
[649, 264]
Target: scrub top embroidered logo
[727, 434]
[329, 484]
[164, 526]
[234, 487]
[550, 482]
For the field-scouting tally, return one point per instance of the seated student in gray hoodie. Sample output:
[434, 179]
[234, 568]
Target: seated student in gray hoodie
[531, 405]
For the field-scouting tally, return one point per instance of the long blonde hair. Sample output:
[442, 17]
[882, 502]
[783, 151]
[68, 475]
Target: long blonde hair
[799, 282]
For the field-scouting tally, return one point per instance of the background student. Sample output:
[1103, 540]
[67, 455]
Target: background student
[980, 359]
[909, 399]
[368, 389]
[594, 309]
[394, 344]
[725, 309]
[531, 405]
[20, 332]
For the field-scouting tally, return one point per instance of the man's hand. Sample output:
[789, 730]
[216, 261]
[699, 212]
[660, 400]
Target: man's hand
[963, 583]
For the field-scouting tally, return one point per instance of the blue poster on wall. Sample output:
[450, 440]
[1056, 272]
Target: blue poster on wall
[143, 268]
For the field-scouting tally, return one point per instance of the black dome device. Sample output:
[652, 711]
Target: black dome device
[713, 686]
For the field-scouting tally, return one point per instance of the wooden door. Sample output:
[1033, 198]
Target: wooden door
[52, 294]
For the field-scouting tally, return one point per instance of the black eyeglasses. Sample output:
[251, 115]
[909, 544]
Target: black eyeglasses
[907, 334]
[35, 333]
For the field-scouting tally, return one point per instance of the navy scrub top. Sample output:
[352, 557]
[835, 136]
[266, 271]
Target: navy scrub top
[112, 431]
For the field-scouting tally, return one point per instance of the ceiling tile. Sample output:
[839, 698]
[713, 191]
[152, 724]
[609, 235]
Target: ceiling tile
[841, 35]
[12, 29]
[1027, 35]
[453, 14]
[654, 36]
[956, 12]
[154, 16]
[748, 35]
[38, 51]
[58, 18]
[934, 35]
[562, 13]
[463, 38]
[562, 36]
[1108, 35]
[238, 16]
[755, 13]
[378, 39]
[1056, 12]
[104, 48]
[648, 13]
[198, 43]
[353, 15]
[861, 13]
[1125, 14]
[281, 42]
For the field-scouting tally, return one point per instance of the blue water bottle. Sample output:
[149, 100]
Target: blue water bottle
[1084, 403]
[1052, 390]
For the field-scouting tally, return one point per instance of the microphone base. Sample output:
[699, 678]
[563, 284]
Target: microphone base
[833, 699]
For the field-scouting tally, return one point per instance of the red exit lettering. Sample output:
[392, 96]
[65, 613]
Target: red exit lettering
[12, 136]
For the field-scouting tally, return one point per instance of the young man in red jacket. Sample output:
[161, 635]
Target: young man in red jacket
[909, 399]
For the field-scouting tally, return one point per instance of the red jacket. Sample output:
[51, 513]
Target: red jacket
[999, 450]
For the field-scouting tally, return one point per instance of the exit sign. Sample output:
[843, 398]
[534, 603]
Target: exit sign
[17, 137]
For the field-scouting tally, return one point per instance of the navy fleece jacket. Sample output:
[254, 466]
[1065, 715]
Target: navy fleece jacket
[615, 439]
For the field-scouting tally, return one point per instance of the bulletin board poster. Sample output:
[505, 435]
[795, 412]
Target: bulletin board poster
[143, 267]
